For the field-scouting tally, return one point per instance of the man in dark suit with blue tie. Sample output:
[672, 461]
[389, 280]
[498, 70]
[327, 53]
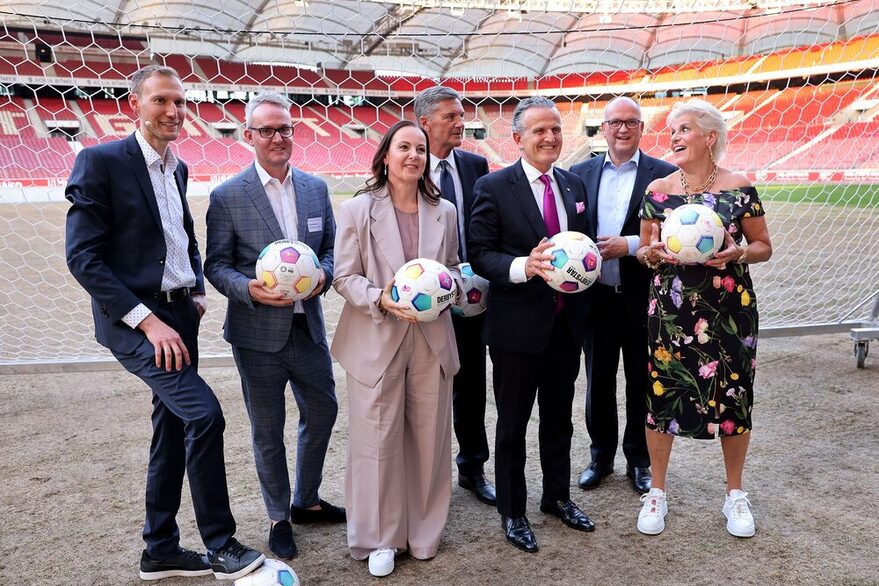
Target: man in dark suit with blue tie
[441, 115]
[615, 186]
[534, 334]
[131, 245]
[274, 340]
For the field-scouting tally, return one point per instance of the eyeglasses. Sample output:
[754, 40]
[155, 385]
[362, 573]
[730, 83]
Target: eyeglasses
[617, 124]
[269, 133]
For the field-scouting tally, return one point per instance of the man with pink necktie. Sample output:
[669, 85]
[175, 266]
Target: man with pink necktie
[534, 334]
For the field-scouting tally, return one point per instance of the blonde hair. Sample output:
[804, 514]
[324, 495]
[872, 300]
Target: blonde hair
[707, 118]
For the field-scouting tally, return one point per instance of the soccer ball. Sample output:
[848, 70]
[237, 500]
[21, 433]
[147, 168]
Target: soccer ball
[289, 267]
[473, 292]
[576, 260]
[270, 573]
[426, 286]
[692, 233]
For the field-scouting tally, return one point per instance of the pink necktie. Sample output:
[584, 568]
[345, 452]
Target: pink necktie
[551, 220]
[550, 212]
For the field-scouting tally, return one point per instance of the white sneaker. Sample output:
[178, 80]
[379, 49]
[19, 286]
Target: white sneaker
[381, 561]
[737, 509]
[651, 519]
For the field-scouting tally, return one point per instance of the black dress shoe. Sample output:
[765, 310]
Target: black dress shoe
[327, 513]
[480, 486]
[592, 475]
[641, 478]
[234, 560]
[281, 540]
[519, 533]
[569, 513]
[181, 563]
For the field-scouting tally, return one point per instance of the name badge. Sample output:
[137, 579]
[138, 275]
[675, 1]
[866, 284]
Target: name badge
[315, 224]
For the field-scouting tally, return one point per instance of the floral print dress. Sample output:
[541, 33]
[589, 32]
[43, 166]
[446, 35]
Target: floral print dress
[702, 329]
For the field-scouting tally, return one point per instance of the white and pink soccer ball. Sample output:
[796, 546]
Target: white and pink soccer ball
[426, 286]
[290, 267]
[474, 292]
[693, 233]
[577, 262]
[270, 573]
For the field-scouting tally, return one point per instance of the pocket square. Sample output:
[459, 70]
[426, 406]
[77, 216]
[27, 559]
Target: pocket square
[581, 206]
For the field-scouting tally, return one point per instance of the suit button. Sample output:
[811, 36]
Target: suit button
[155, 295]
[161, 261]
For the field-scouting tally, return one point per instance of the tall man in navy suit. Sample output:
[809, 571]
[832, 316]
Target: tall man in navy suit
[455, 171]
[534, 334]
[615, 185]
[274, 340]
[131, 245]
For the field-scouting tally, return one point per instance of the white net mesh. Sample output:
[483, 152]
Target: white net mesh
[796, 82]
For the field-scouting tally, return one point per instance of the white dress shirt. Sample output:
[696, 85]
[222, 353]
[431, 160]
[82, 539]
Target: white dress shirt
[614, 195]
[517, 267]
[282, 197]
[177, 267]
[435, 172]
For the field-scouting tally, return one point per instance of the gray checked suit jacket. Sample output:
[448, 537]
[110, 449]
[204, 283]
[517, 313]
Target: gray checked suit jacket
[240, 223]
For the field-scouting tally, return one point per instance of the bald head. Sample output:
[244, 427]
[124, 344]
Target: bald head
[622, 128]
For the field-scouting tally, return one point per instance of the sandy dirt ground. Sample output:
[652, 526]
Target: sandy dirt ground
[74, 452]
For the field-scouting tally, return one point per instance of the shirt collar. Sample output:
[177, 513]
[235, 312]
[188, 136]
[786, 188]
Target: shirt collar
[150, 155]
[533, 174]
[636, 159]
[264, 176]
[435, 161]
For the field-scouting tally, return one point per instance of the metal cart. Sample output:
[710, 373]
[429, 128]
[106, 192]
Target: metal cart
[864, 333]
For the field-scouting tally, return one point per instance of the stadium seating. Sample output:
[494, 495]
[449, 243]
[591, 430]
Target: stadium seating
[769, 128]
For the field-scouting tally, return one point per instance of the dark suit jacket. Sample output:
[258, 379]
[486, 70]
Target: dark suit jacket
[634, 278]
[240, 223]
[470, 168]
[505, 224]
[115, 244]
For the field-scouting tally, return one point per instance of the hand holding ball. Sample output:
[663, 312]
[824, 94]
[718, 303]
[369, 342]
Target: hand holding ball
[576, 260]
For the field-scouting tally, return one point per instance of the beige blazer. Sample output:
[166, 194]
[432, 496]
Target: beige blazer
[368, 252]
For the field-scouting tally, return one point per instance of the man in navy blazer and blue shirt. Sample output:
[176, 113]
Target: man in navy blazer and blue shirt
[534, 334]
[439, 112]
[274, 340]
[131, 245]
[615, 186]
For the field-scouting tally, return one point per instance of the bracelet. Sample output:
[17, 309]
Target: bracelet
[744, 258]
[378, 305]
[647, 263]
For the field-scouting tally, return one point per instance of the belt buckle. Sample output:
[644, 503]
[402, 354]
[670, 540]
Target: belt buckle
[618, 289]
[175, 294]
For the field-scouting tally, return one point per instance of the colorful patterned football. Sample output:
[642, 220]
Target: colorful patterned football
[426, 286]
[473, 292]
[289, 267]
[270, 573]
[577, 262]
[692, 233]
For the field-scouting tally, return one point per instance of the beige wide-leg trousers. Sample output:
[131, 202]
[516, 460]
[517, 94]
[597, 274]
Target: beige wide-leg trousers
[398, 481]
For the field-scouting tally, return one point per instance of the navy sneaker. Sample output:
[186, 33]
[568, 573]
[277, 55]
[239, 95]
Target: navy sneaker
[182, 563]
[234, 560]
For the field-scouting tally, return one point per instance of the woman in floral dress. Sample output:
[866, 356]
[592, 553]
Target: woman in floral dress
[702, 319]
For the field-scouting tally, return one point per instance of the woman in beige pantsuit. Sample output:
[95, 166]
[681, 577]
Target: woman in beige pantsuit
[398, 478]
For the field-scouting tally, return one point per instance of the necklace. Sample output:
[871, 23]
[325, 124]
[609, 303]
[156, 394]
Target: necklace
[694, 189]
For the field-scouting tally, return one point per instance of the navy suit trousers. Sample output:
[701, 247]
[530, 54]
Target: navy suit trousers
[188, 429]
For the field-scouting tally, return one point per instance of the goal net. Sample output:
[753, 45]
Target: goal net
[796, 82]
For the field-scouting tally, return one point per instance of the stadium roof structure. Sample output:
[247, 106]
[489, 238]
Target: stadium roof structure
[454, 38]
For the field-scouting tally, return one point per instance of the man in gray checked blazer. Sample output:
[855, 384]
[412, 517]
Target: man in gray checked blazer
[274, 340]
